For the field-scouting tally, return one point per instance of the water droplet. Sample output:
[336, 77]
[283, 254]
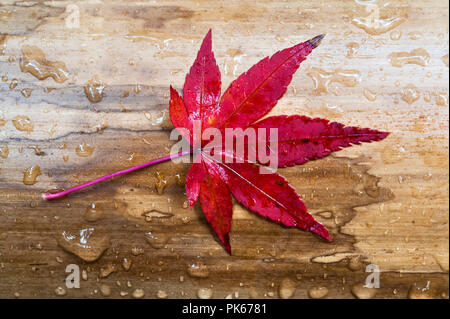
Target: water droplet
[286, 288]
[352, 49]
[148, 115]
[23, 123]
[108, 270]
[94, 90]
[317, 292]
[161, 294]
[84, 150]
[131, 157]
[2, 119]
[375, 22]
[31, 174]
[136, 251]
[26, 92]
[4, 151]
[361, 292]
[370, 95]
[396, 35]
[137, 88]
[105, 290]
[372, 190]
[126, 264]
[100, 127]
[138, 293]
[37, 150]
[161, 183]
[198, 270]
[421, 292]
[204, 293]
[33, 61]
[13, 84]
[180, 179]
[415, 35]
[3, 37]
[354, 264]
[442, 99]
[410, 94]
[60, 291]
[86, 243]
[232, 60]
[154, 213]
[93, 213]
[125, 94]
[418, 56]
[445, 60]
[323, 79]
[156, 241]
[161, 119]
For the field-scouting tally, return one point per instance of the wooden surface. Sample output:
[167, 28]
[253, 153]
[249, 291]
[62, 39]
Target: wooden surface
[385, 203]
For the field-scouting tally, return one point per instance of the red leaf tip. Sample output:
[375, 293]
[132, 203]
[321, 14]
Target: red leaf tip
[316, 40]
[320, 230]
[173, 93]
[379, 135]
[226, 243]
[207, 42]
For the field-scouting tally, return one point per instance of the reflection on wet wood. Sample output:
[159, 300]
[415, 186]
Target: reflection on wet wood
[78, 103]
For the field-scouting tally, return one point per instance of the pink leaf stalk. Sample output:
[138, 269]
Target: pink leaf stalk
[48, 196]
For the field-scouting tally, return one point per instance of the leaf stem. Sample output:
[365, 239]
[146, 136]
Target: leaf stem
[48, 196]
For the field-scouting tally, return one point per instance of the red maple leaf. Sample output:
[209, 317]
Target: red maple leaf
[248, 98]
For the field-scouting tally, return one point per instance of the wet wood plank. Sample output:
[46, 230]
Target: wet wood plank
[385, 203]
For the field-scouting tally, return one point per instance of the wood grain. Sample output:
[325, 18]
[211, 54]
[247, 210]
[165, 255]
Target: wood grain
[385, 203]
